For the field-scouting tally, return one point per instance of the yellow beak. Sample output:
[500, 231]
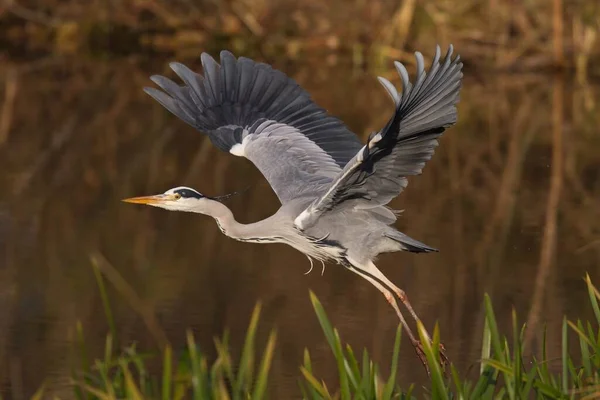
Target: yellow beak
[156, 199]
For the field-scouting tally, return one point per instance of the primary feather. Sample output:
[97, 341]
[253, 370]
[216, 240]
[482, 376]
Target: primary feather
[238, 92]
[252, 110]
[378, 172]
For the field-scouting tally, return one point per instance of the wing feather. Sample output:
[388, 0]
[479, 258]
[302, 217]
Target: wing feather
[232, 96]
[379, 171]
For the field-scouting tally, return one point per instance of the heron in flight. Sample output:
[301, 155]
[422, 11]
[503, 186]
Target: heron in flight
[333, 189]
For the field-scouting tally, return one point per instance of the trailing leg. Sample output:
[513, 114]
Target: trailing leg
[371, 269]
[392, 301]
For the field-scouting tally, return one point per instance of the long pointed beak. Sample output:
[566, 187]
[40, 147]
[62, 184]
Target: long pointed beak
[156, 199]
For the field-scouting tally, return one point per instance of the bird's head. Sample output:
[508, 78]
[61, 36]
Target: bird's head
[177, 199]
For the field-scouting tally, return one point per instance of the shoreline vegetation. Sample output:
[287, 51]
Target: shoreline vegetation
[506, 369]
[494, 34]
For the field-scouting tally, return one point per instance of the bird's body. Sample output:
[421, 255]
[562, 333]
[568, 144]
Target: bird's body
[359, 235]
[333, 189]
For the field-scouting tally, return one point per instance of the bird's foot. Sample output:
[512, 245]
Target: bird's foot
[421, 354]
[444, 360]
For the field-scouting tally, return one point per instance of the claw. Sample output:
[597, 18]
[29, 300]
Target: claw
[444, 360]
[422, 357]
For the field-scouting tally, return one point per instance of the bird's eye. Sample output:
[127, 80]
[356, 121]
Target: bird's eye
[177, 196]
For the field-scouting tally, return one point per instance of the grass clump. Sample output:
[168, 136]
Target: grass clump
[504, 371]
[193, 376]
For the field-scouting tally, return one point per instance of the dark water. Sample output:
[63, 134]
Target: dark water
[510, 199]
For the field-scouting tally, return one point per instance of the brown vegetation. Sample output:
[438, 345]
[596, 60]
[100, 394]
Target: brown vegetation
[492, 33]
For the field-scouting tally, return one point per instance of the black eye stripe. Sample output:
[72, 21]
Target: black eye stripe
[187, 194]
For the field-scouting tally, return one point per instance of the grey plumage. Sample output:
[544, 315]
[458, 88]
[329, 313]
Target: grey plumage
[334, 191]
[293, 164]
[378, 172]
[240, 92]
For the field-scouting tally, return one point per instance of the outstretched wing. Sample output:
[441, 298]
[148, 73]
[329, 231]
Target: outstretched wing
[378, 171]
[252, 110]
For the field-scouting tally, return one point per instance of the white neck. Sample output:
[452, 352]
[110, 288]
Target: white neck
[224, 218]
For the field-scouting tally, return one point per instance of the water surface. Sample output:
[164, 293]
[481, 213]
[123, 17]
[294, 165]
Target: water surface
[510, 199]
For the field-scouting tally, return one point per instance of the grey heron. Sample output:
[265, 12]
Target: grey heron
[333, 189]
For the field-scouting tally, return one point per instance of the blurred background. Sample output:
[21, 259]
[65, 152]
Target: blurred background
[511, 197]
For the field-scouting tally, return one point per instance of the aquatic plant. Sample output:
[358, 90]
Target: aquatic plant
[505, 371]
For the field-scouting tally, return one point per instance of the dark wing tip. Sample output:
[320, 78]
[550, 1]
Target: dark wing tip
[429, 103]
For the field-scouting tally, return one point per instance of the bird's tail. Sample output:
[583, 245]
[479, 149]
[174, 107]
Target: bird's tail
[409, 244]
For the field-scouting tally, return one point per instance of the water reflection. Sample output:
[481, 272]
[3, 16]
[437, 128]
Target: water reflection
[510, 199]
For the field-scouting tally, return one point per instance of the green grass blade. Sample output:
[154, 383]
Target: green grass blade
[198, 388]
[220, 390]
[323, 320]
[595, 344]
[438, 387]
[499, 351]
[104, 367]
[573, 374]
[495, 336]
[501, 394]
[517, 354]
[303, 390]
[582, 335]
[87, 389]
[585, 351]
[104, 296]
[167, 376]
[374, 380]
[460, 388]
[335, 344]
[83, 358]
[341, 361]
[389, 386]
[223, 357]
[565, 356]
[500, 366]
[509, 381]
[308, 367]
[551, 391]
[246, 366]
[594, 295]
[263, 372]
[525, 393]
[108, 349]
[544, 371]
[216, 381]
[486, 345]
[138, 361]
[365, 385]
[485, 384]
[408, 394]
[133, 392]
[352, 369]
[307, 363]
[486, 373]
[315, 384]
